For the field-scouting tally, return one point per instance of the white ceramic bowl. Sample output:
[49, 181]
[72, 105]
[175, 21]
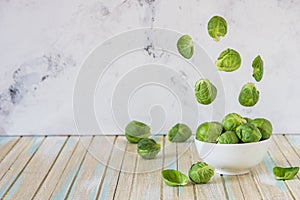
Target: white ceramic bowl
[232, 159]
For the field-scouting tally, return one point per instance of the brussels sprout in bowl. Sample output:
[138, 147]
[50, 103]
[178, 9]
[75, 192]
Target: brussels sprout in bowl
[232, 159]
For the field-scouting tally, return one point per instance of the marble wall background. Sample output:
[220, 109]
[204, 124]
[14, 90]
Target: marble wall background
[44, 43]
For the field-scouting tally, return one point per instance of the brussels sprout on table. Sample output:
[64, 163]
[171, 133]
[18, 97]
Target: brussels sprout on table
[248, 133]
[285, 173]
[179, 133]
[232, 120]
[185, 46]
[229, 60]
[264, 126]
[205, 91]
[201, 172]
[249, 95]
[217, 27]
[136, 130]
[209, 132]
[148, 148]
[173, 177]
[258, 68]
[228, 137]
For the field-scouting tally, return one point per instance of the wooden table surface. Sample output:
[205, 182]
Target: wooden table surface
[108, 167]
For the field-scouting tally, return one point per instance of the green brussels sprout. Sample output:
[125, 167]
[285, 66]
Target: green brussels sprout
[285, 173]
[232, 120]
[148, 148]
[228, 137]
[179, 133]
[205, 91]
[136, 130]
[229, 60]
[217, 27]
[248, 133]
[173, 177]
[209, 132]
[201, 172]
[248, 119]
[258, 68]
[264, 126]
[249, 95]
[185, 46]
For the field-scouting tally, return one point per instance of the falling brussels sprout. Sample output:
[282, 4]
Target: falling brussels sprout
[179, 133]
[148, 148]
[205, 91]
[285, 173]
[185, 46]
[173, 177]
[258, 68]
[217, 27]
[264, 126]
[248, 133]
[232, 120]
[228, 137]
[229, 60]
[201, 172]
[136, 130]
[249, 95]
[209, 132]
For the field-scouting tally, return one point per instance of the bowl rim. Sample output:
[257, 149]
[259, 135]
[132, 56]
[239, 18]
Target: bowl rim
[238, 144]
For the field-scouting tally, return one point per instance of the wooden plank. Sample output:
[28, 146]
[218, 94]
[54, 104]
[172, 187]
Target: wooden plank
[127, 173]
[214, 189]
[110, 181]
[88, 180]
[184, 163]
[233, 187]
[148, 175]
[170, 162]
[62, 188]
[30, 179]
[6, 144]
[20, 156]
[263, 175]
[248, 186]
[48, 186]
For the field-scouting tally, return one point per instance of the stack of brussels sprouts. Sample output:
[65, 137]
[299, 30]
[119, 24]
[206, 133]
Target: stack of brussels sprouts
[235, 129]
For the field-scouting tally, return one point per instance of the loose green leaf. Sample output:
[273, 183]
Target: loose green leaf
[258, 68]
[217, 27]
[173, 177]
[229, 60]
[179, 133]
[205, 91]
[287, 173]
[248, 133]
[249, 95]
[148, 148]
[185, 46]
[136, 130]
[209, 131]
[201, 172]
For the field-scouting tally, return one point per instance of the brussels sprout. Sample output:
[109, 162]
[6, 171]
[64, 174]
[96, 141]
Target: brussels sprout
[185, 46]
[217, 27]
[249, 95]
[229, 137]
[258, 68]
[173, 177]
[264, 126]
[209, 132]
[205, 91]
[148, 148]
[287, 173]
[248, 133]
[200, 172]
[232, 120]
[179, 133]
[136, 130]
[229, 60]
[248, 119]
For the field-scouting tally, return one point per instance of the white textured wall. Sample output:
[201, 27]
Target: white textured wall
[44, 43]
